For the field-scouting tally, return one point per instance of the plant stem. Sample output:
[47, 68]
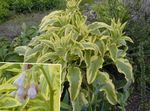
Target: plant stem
[143, 83]
[89, 99]
[50, 88]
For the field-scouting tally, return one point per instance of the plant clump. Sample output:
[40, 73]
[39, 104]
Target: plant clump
[84, 50]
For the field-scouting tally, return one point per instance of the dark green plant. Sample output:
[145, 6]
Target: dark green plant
[4, 9]
[108, 9]
[140, 53]
[28, 32]
[7, 51]
[39, 5]
[11, 7]
[22, 5]
[138, 28]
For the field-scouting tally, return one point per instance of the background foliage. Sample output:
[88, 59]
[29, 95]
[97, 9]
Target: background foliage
[4, 9]
[9, 7]
[7, 53]
[108, 9]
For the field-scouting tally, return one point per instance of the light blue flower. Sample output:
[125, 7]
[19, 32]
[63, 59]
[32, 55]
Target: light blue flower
[20, 92]
[20, 99]
[13, 93]
[20, 80]
[32, 91]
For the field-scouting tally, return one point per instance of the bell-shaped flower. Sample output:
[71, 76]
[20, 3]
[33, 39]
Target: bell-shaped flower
[20, 92]
[20, 99]
[32, 91]
[13, 93]
[20, 80]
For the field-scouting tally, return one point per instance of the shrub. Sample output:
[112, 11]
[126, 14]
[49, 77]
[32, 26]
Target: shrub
[85, 52]
[39, 5]
[4, 9]
[22, 5]
[108, 9]
[28, 32]
[139, 52]
[7, 51]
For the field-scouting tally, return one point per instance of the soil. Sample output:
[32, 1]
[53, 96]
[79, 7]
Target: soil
[12, 27]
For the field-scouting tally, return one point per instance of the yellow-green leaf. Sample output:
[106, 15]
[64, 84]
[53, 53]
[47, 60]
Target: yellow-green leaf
[21, 50]
[96, 62]
[75, 79]
[46, 57]
[107, 86]
[125, 67]
[6, 87]
[8, 102]
[113, 51]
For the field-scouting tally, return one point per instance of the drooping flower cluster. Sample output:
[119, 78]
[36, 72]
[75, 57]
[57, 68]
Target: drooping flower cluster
[22, 93]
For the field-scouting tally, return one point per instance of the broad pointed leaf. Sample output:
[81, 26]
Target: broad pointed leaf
[75, 79]
[107, 86]
[125, 67]
[8, 102]
[113, 51]
[96, 62]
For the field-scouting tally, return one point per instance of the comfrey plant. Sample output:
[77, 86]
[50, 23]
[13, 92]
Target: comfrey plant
[88, 54]
[35, 87]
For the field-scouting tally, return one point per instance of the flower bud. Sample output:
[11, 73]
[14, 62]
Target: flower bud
[13, 93]
[32, 91]
[20, 80]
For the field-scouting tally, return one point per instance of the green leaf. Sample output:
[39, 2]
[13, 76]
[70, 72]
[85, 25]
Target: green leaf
[31, 58]
[107, 86]
[128, 39]
[102, 47]
[125, 67]
[14, 70]
[38, 101]
[7, 66]
[97, 25]
[78, 52]
[46, 57]
[36, 108]
[87, 57]
[113, 51]
[34, 50]
[20, 108]
[8, 102]
[75, 79]
[6, 87]
[49, 43]
[43, 86]
[96, 62]
[79, 102]
[21, 50]
[90, 46]
[65, 106]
